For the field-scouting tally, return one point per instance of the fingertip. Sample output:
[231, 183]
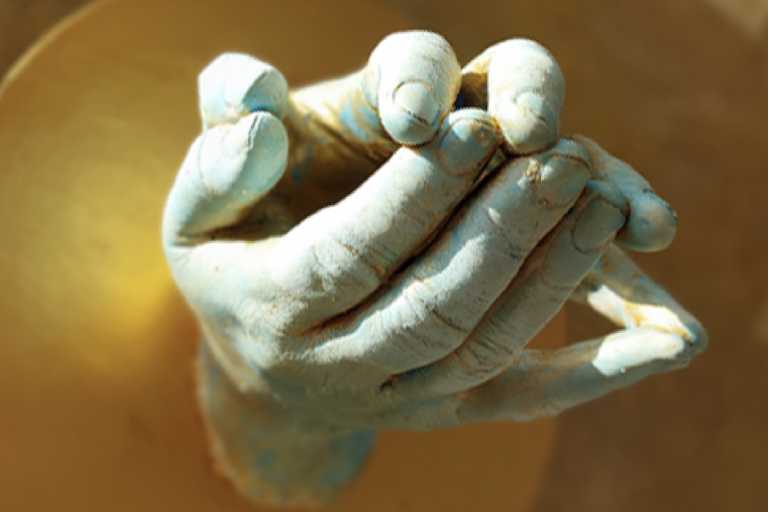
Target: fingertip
[412, 80]
[228, 169]
[652, 223]
[257, 86]
[249, 156]
[234, 85]
[641, 349]
[467, 138]
[651, 226]
[412, 115]
[526, 92]
[698, 338]
[528, 122]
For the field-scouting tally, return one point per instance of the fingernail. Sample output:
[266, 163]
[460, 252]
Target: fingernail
[600, 219]
[564, 173]
[528, 122]
[469, 138]
[414, 119]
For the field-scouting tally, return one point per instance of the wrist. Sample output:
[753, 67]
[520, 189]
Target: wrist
[269, 459]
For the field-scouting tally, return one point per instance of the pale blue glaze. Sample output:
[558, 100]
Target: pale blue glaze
[409, 302]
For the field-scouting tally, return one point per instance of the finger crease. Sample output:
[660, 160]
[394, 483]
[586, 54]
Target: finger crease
[491, 345]
[433, 310]
[511, 249]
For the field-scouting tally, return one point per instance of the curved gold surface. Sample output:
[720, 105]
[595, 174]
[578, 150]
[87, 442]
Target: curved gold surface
[97, 346]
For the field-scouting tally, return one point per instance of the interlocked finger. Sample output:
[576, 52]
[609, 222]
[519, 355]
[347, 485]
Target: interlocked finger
[659, 336]
[438, 301]
[549, 276]
[339, 256]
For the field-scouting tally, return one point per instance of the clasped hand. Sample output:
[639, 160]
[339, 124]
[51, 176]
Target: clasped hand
[376, 252]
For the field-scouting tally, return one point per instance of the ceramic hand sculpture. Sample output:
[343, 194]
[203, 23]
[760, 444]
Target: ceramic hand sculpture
[375, 252]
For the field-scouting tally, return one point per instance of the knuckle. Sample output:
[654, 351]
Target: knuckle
[482, 356]
[422, 302]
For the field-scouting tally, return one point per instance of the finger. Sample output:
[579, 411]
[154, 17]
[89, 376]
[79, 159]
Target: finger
[619, 290]
[241, 154]
[549, 276]
[660, 336]
[412, 79]
[546, 382]
[652, 222]
[400, 98]
[227, 169]
[522, 87]
[234, 85]
[340, 255]
[439, 300]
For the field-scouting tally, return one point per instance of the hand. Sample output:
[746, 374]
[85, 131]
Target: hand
[376, 251]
